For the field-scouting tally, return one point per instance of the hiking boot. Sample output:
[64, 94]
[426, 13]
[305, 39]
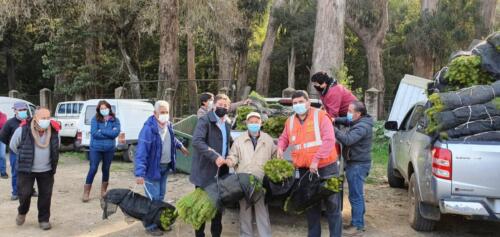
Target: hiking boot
[353, 231]
[14, 198]
[104, 188]
[86, 192]
[34, 193]
[45, 225]
[155, 232]
[4, 176]
[20, 219]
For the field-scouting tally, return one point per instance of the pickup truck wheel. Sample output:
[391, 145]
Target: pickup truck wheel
[129, 154]
[394, 181]
[417, 221]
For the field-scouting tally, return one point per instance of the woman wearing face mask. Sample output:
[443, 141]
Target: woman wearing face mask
[104, 129]
[248, 154]
[335, 97]
[206, 104]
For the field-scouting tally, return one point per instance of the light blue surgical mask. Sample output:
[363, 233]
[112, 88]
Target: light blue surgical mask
[299, 108]
[22, 114]
[349, 117]
[104, 112]
[253, 127]
[44, 123]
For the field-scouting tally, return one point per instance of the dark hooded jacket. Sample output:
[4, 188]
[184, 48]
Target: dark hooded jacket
[356, 140]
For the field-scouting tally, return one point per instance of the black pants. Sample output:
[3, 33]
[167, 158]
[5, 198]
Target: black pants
[45, 183]
[216, 226]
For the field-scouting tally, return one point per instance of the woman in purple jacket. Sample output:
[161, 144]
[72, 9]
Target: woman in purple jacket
[104, 129]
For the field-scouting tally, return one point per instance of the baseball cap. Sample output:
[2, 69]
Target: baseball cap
[20, 105]
[253, 114]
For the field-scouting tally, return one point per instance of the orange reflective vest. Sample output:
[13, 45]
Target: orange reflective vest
[305, 139]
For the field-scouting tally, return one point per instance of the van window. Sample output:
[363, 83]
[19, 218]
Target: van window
[62, 109]
[90, 113]
[77, 108]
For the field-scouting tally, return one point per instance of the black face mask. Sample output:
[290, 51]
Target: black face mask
[318, 88]
[220, 111]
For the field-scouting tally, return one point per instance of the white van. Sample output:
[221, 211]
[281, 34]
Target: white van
[132, 115]
[67, 114]
[6, 104]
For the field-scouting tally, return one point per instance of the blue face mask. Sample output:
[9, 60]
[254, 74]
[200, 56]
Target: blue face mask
[253, 127]
[349, 117]
[104, 112]
[299, 108]
[22, 114]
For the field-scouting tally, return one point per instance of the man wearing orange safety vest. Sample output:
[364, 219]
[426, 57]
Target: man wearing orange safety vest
[309, 132]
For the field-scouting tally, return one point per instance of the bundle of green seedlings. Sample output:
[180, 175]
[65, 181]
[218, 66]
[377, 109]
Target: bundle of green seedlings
[167, 218]
[256, 184]
[196, 208]
[274, 126]
[278, 170]
[256, 97]
[465, 71]
[334, 184]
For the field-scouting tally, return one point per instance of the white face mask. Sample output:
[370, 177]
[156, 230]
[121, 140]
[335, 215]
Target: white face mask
[210, 104]
[44, 123]
[163, 118]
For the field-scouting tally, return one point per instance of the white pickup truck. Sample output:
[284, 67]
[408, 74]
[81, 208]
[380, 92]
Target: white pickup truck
[444, 177]
[67, 113]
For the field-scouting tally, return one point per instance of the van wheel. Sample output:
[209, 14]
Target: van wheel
[129, 154]
[394, 181]
[417, 221]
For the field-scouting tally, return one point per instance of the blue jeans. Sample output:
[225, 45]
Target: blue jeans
[356, 175]
[156, 189]
[13, 171]
[95, 158]
[3, 162]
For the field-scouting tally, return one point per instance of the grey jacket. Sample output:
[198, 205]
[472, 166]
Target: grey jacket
[357, 140]
[207, 144]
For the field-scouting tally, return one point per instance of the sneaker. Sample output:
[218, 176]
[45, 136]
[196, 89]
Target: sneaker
[155, 232]
[20, 219]
[353, 231]
[4, 176]
[14, 198]
[45, 225]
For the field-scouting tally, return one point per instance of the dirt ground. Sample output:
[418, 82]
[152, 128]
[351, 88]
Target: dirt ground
[387, 210]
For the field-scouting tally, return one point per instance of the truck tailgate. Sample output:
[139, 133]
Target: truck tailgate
[476, 169]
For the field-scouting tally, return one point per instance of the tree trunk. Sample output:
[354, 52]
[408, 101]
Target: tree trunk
[264, 70]
[372, 39]
[328, 47]
[135, 89]
[10, 64]
[291, 68]
[226, 64]
[91, 45]
[169, 49]
[423, 64]
[487, 15]
[191, 68]
[242, 71]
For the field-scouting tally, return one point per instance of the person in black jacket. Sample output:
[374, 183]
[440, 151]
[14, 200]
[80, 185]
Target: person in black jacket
[211, 142]
[8, 129]
[37, 145]
[357, 143]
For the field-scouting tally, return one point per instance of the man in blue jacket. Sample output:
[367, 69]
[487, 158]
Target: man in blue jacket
[357, 146]
[155, 156]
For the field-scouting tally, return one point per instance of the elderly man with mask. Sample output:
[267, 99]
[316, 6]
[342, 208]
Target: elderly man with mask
[309, 131]
[8, 129]
[248, 154]
[357, 144]
[37, 145]
[155, 156]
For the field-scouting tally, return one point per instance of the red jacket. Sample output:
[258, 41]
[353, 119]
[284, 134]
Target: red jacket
[336, 100]
[3, 119]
